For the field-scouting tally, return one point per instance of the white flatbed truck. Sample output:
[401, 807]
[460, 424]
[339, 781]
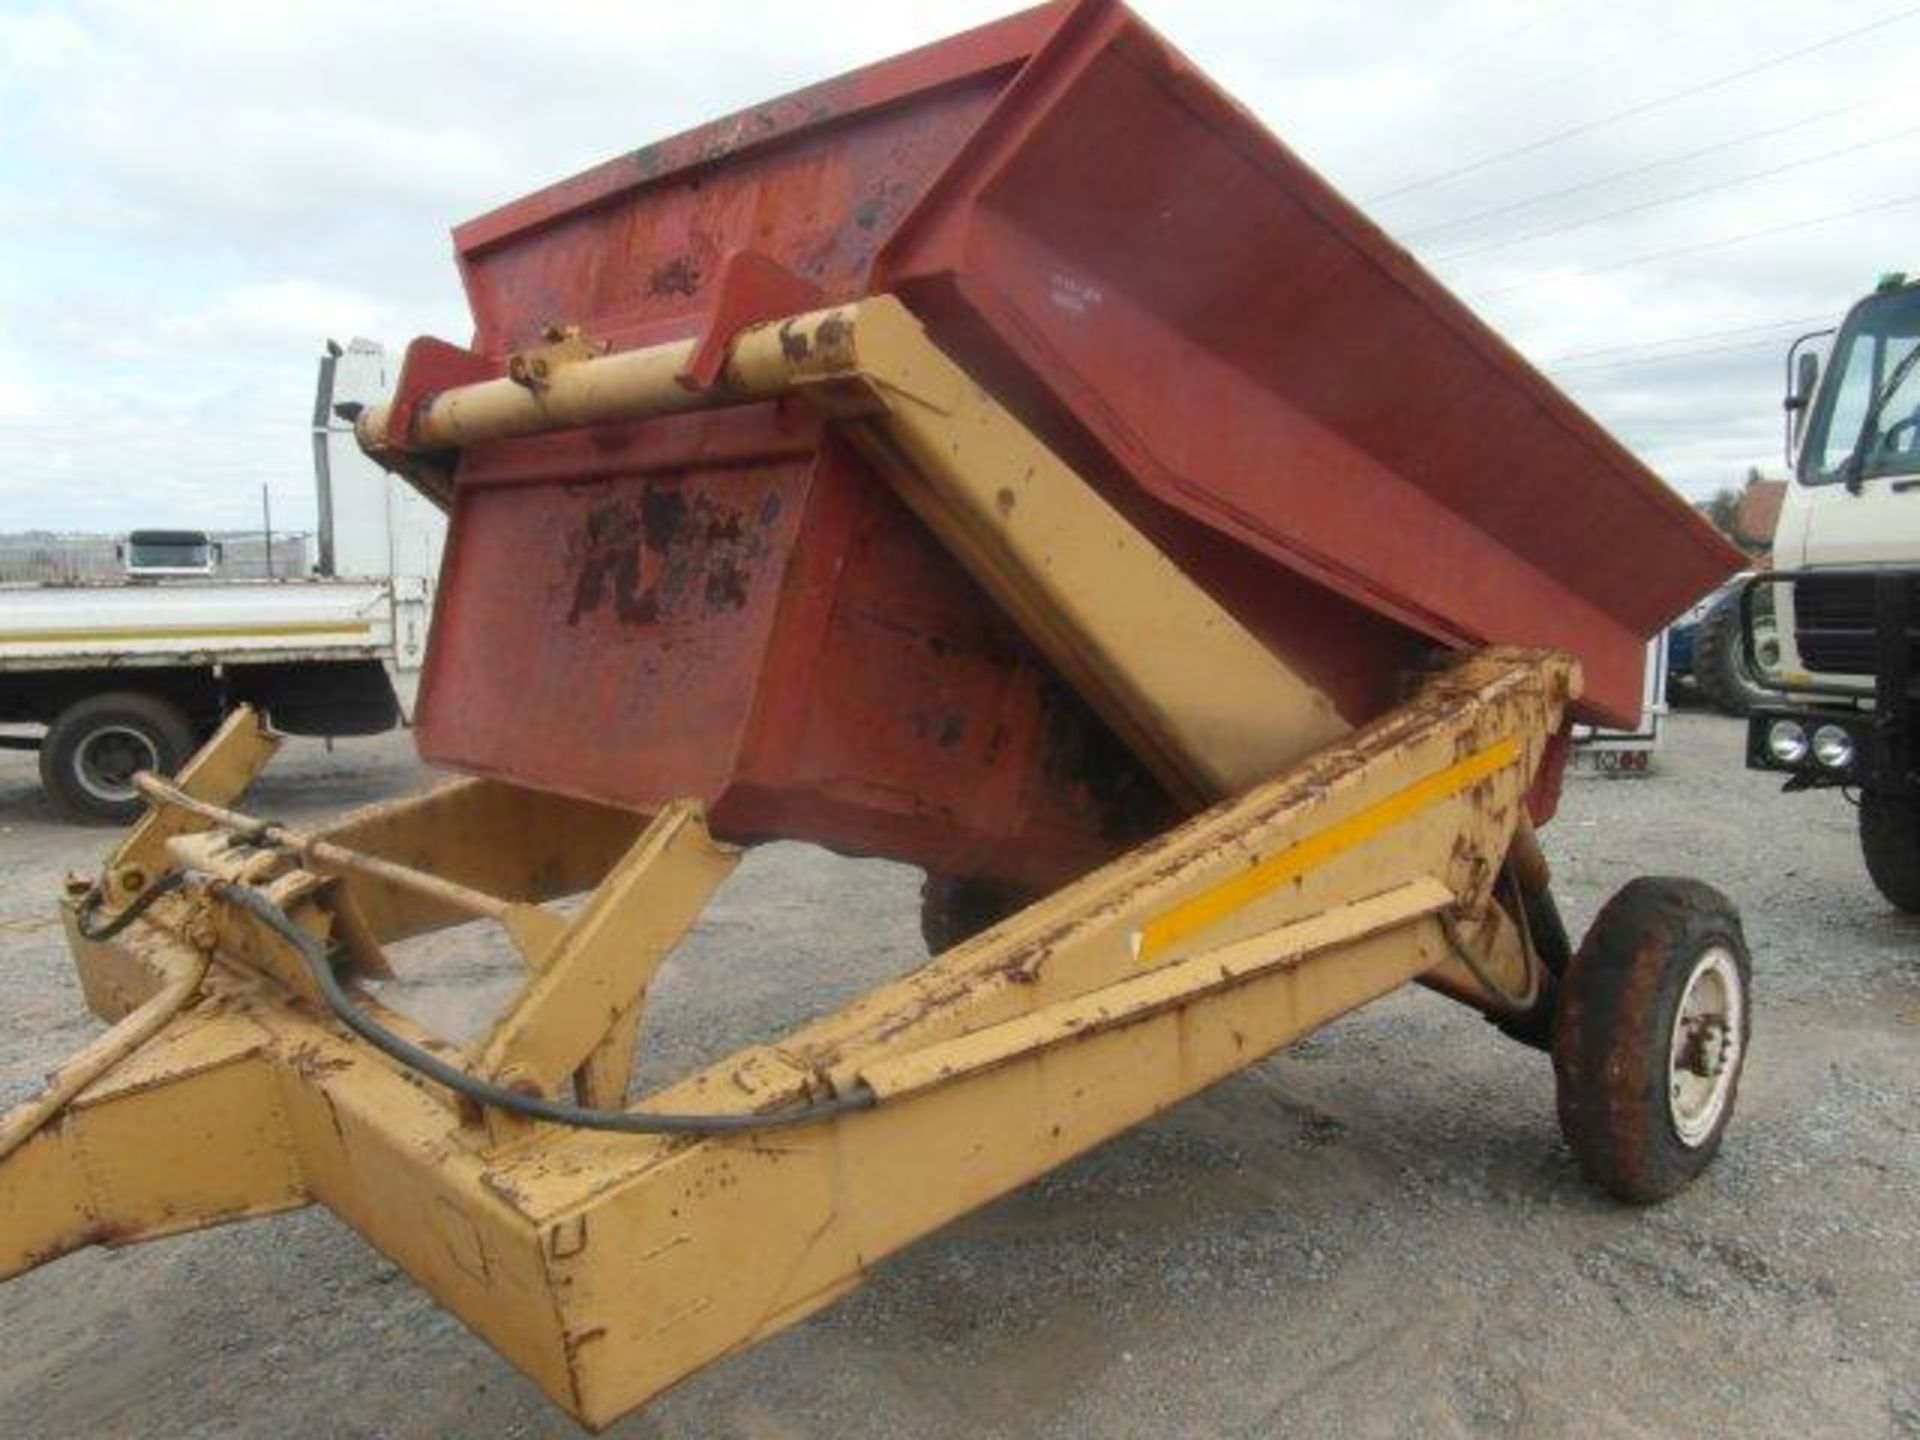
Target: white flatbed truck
[105, 680]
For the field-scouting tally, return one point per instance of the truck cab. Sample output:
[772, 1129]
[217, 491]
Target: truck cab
[1841, 684]
[1851, 508]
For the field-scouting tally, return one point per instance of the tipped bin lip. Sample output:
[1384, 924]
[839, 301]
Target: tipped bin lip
[1003, 44]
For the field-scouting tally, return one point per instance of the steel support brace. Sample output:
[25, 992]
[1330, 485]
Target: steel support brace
[582, 1011]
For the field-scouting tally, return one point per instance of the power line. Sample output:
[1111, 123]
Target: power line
[1453, 57]
[1645, 345]
[1542, 197]
[1721, 243]
[1769, 342]
[1644, 107]
[1559, 80]
[1504, 241]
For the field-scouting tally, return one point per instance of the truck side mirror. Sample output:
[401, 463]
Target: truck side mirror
[1806, 375]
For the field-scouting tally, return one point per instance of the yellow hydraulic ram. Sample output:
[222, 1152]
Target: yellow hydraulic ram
[517, 1181]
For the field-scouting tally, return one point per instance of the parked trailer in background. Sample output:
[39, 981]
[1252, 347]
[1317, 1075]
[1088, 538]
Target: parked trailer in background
[1007, 459]
[107, 680]
[1629, 750]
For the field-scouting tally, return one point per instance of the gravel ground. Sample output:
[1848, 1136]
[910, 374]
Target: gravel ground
[1377, 1233]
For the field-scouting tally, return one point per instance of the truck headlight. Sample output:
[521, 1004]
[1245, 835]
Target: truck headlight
[1832, 747]
[1787, 741]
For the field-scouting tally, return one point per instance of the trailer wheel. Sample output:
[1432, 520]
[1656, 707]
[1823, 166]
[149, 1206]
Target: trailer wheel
[1890, 844]
[955, 908]
[95, 746]
[1650, 1035]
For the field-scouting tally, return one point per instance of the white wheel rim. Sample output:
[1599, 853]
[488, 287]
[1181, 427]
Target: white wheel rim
[105, 762]
[1704, 1051]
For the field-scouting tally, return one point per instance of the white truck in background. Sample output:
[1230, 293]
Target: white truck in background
[105, 680]
[1832, 629]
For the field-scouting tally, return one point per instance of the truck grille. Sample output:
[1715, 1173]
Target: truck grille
[1833, 623]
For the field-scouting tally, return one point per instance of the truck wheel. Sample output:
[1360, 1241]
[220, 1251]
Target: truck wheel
[956, 908]
[1717, 666]
[1650, 1034]
[1890, 843]
[95, 746]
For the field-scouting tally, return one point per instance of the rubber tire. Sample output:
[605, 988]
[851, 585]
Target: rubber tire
[1613, 1025]
[954, 909]
[1890, 844]
[1717, 659]
[162, 724]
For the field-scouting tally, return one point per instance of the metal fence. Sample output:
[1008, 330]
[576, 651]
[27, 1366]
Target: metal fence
[94, 560]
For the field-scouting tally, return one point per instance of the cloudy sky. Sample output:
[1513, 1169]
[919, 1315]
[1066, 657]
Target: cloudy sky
[1650, 197]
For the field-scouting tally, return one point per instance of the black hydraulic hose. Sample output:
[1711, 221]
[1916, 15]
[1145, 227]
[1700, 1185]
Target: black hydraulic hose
[1546, 927]
[1463, 951]
[485, 1092]
[90, 906]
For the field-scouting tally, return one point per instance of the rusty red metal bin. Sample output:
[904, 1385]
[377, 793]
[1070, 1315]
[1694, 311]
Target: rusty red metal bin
[731, 605]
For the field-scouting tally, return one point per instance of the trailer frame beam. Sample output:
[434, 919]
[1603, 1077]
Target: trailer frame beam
[609, 1266]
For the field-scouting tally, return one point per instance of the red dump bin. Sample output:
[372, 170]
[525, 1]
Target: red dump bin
[731, 605]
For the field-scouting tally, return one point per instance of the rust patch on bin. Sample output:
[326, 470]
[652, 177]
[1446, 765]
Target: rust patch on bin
[665, 559]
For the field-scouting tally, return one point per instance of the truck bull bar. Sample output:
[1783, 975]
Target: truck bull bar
[1880, 745]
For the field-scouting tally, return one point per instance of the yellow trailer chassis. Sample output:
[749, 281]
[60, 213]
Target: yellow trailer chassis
[610, 1245]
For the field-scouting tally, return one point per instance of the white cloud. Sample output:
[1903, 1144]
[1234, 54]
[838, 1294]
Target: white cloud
[40, 40]
[18, 399]
[282, 314]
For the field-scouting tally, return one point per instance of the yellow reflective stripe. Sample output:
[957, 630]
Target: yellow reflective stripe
[1210, 907]
[186, 632]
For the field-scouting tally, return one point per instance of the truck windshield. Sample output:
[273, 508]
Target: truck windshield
[160, 550]
[1865, 372]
